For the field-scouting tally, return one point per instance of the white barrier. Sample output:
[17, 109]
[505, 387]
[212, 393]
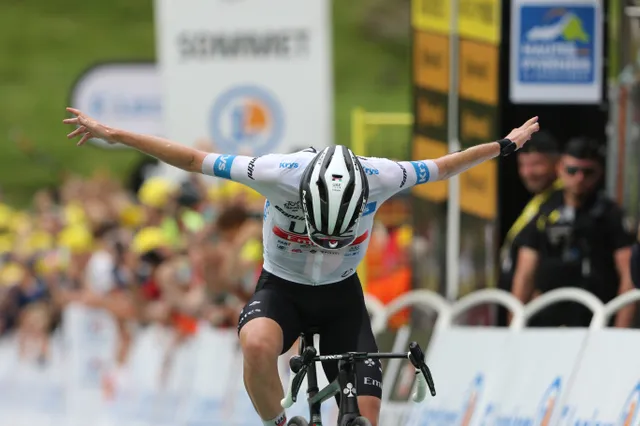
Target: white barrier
[484, 376]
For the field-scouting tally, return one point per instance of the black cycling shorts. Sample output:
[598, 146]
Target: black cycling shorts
[336, 310]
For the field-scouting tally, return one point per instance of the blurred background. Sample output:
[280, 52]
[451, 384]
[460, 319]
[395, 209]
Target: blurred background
[121, 279]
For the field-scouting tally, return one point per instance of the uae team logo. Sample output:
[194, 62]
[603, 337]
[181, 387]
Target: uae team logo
[247, 120]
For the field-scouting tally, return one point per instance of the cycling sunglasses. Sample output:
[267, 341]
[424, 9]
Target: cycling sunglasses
[586, 171]
[331, 242]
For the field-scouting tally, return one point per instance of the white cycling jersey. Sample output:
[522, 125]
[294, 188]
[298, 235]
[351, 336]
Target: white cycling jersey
[288, 252]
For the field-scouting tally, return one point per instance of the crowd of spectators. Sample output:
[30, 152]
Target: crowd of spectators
[170, 254]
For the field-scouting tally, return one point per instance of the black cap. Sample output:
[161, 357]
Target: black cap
[541, 142]
[584, 148]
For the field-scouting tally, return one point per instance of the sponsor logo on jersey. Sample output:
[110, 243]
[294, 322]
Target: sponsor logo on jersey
[222, 166]
[370, 208]
[251, 168]
[347, 273]
[266, 210]
[372, 382]
[292, 205]
[404, 175]
[304, 239]
[370, 171]
[289, 215]
[289, 165]
[422, 171]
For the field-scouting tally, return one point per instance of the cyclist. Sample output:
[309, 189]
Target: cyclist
[317, 220]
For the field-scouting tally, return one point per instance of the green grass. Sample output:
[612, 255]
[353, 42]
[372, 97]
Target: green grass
[45, 45]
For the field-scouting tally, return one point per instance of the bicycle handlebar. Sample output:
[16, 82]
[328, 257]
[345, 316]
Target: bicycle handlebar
[299, 364]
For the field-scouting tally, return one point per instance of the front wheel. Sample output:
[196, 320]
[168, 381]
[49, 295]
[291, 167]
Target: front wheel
[360, 421]
[301, 421]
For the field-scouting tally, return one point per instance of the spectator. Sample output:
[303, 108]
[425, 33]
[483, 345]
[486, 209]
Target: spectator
[151, 249]
[537, 163]
[106, 281]
[27, 306]
[577, 239]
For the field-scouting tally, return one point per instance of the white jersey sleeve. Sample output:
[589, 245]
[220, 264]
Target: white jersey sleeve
[263, 174]
[388, 177]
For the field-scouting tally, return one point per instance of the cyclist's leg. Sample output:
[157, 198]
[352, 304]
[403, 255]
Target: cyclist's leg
[268, 326]
[351, 331]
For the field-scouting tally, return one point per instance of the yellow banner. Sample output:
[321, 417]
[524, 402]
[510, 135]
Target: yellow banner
[477, 19]
[430, 113]
[479, 190]
[476, 125]
[431, 61]
[431, 15]
[425, 148]
[479, 63]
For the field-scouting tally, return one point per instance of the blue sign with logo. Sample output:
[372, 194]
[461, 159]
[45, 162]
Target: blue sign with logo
[557, 44]
[247, 118]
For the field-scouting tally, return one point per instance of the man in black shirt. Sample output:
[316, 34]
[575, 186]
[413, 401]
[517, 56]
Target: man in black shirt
[577, 239]
[537, 164]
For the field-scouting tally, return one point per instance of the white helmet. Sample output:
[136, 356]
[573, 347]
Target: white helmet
[333, 193]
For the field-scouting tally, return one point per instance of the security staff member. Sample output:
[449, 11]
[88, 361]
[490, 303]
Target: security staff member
[577, 239]
[537, 162]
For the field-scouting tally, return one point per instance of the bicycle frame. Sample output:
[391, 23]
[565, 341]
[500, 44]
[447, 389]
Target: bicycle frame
[346, 376]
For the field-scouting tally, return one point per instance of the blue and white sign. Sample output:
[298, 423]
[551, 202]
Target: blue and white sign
[247, 118]
[556, 51]
[127, 95]
[246, 77]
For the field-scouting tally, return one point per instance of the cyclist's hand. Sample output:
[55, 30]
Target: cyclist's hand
[523, 133]
[87, 127]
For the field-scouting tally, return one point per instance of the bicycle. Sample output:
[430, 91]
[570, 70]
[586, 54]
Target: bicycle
[303, 365]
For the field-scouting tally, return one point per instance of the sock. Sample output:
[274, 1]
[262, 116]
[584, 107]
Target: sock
[279, 420]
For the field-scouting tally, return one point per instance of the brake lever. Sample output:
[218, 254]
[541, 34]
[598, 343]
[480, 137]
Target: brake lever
[299, 365]
[416, 356]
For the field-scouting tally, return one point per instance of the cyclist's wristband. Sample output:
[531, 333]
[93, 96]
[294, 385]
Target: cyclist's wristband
[507, 147]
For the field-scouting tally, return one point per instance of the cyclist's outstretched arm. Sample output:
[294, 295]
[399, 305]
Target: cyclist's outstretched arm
[170, 152]
[458, 162]
[389, 176]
